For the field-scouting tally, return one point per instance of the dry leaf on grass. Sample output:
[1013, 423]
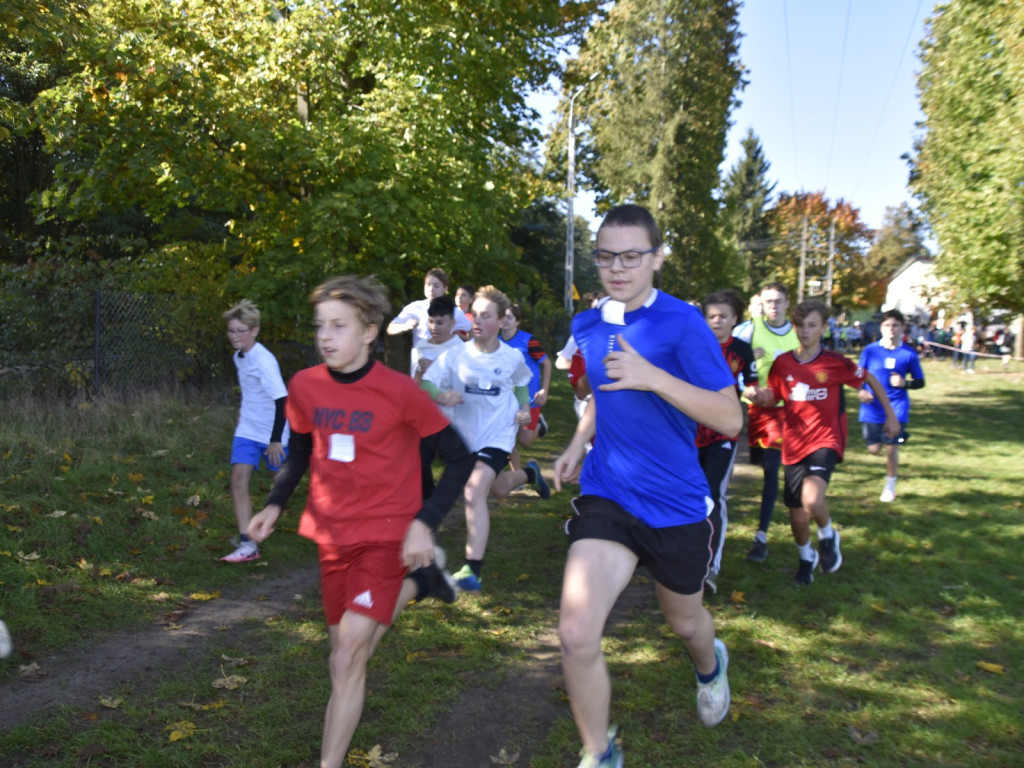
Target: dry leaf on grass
[375, 758]
[180, 730]
[988, 666]
[230, 682]
[110, 703]
[504, 758]
[867, 738]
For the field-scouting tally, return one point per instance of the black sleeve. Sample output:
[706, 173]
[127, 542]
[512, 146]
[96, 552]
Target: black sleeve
[278, 430]
[458, 465]
[300, 448]
[915, 383]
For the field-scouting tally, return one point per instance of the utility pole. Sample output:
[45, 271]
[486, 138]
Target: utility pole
[570, 191]
[831, 262]
[803, 263]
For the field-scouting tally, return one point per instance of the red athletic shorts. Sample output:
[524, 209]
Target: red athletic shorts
[365, 578]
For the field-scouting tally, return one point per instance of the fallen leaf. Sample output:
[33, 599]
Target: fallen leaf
[236, 662]
[988, 666]
[504, 758]
[766, 643]
[521, 577]
[375, 758]
[204, 596]
[180, 730]
[110, 703]
[230, 683]
[192, 501]
[30, 557]
[416, 656]
[738, 597]
[58, 513]
[868, 738]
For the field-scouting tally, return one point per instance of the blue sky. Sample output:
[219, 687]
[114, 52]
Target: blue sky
[831, 95]
[838, 111]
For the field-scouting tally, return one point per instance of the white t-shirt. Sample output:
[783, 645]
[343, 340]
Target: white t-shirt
[259, 376]
[421, 333]
[486, 417]
[434, 351]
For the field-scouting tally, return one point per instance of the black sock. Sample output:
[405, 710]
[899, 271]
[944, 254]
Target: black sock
[475, 566]
[427, 579]
[531, 475]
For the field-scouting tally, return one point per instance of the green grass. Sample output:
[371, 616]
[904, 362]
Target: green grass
[910, 656]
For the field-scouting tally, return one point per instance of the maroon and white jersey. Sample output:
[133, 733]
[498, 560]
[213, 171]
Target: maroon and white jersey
[814, 407]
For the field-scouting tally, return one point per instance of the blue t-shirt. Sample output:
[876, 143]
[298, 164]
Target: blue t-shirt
[645, 455]
[521, 341]
[880, 363]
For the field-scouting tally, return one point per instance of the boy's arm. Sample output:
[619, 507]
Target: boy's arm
[892, 424]
[541, 398]
[447, 398]
[275, 451]
[567, 466]
[300, 449]
[458, 464]
[523, 398]
[719, 410]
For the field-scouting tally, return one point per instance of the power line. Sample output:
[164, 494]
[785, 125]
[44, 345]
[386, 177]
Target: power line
[839, 92]
[792, 99]
[885, 105]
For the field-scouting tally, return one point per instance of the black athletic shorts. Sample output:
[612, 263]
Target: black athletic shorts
[495, 458]
[678, 557]
[821, 463]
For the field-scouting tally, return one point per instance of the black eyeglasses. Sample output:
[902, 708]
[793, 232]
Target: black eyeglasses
[629, 259]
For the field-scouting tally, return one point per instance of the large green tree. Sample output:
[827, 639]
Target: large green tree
[969, 165]
[320, 138]
[746, 201]
[656, 116]
[900, 239]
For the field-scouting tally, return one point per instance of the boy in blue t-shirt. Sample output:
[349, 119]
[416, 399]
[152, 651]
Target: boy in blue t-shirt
[896, 365]
[656, 369]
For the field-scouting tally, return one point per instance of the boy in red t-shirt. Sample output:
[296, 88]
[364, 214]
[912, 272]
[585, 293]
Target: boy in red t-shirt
[809, 380]
[357, 425]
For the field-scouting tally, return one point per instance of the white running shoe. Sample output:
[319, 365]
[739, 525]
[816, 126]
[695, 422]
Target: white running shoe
[6, 646]
[247, 552]
[889, 494]
[713, 698]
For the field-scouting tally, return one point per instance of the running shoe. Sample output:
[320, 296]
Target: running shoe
[467, 581]
[6, 645]
[713, 698]
[540, 483]
[247, 552]
[831, 555]
[611, 759]
[888, 494]
[758, 551]
[805, 571]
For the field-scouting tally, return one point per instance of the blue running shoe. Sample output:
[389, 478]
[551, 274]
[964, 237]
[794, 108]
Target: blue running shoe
[541, 484]
[611, 759]
[466, 580]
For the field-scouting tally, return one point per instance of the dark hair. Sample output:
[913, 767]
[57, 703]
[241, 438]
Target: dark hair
[729, 297]
[440, 274]
[633, 216]
[773, 286]
[804, 308]
[365, 294]
[441, 306]
[517, 312]
[893, 314]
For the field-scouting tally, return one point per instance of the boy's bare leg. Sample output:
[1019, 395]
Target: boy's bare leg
[596, 572]
[892, 460]
[507, 482]
[814, 505]
[689, 619]
[353, 642]
[241, 474]
[478, 519]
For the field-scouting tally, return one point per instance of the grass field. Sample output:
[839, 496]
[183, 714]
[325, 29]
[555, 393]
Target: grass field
[911, 655]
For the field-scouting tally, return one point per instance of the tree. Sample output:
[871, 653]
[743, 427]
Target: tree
[656, 118]
[968, 170]
[746, 200]
[317, 139]
[851, 239]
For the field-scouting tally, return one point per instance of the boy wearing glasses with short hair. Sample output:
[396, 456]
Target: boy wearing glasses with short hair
[656, 372]
[262, 430]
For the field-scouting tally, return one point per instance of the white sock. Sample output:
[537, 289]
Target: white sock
[806, 551]
[761, 536]
[826, 532]
[890, 483]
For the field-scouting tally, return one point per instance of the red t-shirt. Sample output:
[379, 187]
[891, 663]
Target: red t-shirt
[740, 358]
[814, 414]
[364, 474]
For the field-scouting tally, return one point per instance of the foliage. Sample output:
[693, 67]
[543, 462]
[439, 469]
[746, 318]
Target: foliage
[968, 170]
[541, 236]
[782, 262]
[656, 118]
[306, 141]
[746, 200]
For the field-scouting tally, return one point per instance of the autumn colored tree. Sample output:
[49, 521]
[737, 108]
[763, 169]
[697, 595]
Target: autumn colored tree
[900, 239]
[654, 122]
[968, 169]
[851, 240]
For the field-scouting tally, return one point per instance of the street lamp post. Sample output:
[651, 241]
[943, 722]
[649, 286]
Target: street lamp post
[570, 220]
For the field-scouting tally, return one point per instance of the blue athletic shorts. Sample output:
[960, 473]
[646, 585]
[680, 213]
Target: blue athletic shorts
[246, 451]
